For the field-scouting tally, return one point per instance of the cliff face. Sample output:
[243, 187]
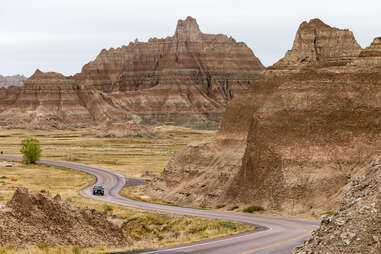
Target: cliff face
[187, 79]
[291, 143]
[7, 81]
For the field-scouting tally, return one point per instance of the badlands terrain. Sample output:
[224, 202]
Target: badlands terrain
[295, 138]
[293, 142]
[186, 79]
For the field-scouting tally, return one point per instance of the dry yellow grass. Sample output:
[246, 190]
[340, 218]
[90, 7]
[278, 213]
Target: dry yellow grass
[43, 178]
[130, 156]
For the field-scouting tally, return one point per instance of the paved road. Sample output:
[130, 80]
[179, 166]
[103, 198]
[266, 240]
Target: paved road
[276, 235]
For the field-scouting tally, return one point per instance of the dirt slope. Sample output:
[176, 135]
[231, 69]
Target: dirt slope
[29, 219]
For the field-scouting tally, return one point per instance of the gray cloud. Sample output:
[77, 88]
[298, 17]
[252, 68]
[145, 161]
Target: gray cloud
[62, 35]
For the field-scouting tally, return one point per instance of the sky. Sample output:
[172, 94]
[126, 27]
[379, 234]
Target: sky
[63, 35]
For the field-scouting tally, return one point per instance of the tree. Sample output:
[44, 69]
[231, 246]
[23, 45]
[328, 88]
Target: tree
[30, 148]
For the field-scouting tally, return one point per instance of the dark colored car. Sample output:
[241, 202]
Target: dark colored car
[98, 190]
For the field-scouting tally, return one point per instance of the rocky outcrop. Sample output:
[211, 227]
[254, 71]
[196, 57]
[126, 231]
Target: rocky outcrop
[291, 143]
[186, 79]
[51, 100]
[356, 226]
[370, 56]
[15, 80]
[316, 43]
[30, 219]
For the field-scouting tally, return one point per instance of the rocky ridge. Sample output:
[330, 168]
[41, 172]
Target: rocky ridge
[186, 79]
[291, 143]
[30, 219]
[356, 226]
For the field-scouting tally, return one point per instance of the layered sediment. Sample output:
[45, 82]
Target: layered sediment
[291, 142]
[186, 79]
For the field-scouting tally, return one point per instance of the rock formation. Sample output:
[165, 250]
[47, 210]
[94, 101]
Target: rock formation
[187, 79]
[30, 219]
[15, 80]
[316, 43]
[290, 143]
[370, 56]
[356, 226]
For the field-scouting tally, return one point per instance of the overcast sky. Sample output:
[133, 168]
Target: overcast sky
[63, 35]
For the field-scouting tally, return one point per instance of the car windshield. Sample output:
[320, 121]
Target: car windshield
[98, 187]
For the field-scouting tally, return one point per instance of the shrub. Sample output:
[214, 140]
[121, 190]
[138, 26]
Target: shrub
[107, 209]
[30, 148]
[76, 250]
[233, 208]
[330, 213]
[43, 245]
[253, 208]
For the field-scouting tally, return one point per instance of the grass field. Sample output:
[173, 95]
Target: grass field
[130, 156]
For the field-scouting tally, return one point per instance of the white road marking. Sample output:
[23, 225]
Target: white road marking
[212, 242]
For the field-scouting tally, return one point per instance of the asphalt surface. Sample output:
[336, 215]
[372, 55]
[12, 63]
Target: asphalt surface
[275, 235]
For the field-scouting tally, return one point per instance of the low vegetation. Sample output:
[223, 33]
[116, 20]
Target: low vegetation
[130, 156]
[253, 209]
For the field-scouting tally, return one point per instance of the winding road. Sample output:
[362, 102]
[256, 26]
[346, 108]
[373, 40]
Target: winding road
[273, 235]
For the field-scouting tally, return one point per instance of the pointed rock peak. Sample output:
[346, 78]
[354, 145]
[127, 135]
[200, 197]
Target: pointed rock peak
[376, 42]
[187, 29]
[317, 22]
[313, 24]
[46, 75]
[36, 74]
[317, 43]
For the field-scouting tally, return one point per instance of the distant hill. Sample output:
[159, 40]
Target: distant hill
[15, 80]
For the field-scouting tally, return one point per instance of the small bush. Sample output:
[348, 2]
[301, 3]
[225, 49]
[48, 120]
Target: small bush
[43, 191]
[76, 250]
[30, 148]
[43, 245]
[107, 209]
[220, 206]
[233, 208]
[228, 225]
[254, 208]
[330, 213]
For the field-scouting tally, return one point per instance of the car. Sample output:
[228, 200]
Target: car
[98, 190]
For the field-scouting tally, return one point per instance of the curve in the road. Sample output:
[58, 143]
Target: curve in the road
[274, 234]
